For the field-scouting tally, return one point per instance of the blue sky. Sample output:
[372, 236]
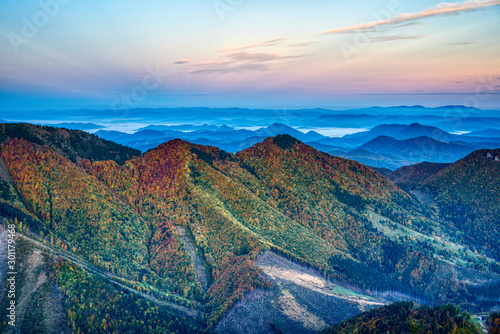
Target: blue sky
[248, 53]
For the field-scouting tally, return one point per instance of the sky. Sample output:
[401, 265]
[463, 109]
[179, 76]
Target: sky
[123, 54]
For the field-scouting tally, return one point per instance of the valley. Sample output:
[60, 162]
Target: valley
[199, 267]
[301, 301]
[444, 248]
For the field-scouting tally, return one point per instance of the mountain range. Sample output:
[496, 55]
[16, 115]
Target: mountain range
[188, 237]
[388, 145]
[241, 128]
[418, 149]
[224, 137]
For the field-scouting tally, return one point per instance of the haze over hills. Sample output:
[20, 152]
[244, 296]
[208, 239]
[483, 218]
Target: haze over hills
[418, 149]
[332, 131]
[223, 137]
[447, 118]
[415, 142]
[204, 233]
[395, 145]
[78, 126]
[485, 133]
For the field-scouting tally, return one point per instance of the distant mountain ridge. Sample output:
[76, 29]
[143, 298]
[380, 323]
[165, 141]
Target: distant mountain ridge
[223, 137]
[415, 130]
[417, 142]
[419, 148]
[382, 152]
[77, 126]
[485, 133]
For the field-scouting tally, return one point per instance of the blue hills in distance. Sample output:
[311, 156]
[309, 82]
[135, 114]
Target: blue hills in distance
[388, 145]
[453, 129]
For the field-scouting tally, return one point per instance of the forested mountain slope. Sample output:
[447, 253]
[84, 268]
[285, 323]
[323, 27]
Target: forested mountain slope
[279, 195]
[410, 177]
[72, 144]
[406, 318]
[466, 194]
[468, 197]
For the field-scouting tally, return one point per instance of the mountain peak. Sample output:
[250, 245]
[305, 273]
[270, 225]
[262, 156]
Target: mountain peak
[285, 141]
[278, 126]
[458, 106]
[279, 129]
[418, 130]
[382, 138]
[175, 144]
[415, 125]
[224, 128]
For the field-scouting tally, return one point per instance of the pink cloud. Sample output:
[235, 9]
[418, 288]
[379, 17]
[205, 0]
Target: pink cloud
[443, 8]
[268, 43]
[241, 62]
